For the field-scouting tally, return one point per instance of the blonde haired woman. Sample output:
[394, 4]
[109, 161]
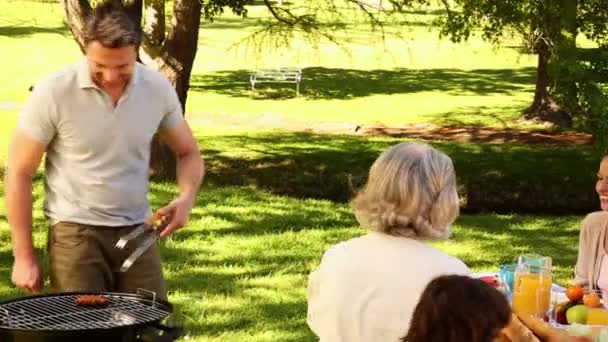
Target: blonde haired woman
[367, 288]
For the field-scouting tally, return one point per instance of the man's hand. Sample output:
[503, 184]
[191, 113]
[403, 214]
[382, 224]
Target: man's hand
[178, 212]
[27, 274]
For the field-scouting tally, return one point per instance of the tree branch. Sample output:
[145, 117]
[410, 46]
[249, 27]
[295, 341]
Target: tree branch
[448, 11]
[372, 18]
[276, 15]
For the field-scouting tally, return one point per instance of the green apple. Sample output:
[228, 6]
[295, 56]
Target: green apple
[577, 314]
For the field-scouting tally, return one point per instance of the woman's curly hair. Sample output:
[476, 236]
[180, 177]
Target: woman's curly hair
[411, 192]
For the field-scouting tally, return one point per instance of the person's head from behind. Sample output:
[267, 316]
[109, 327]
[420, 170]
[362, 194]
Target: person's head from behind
[111, 41]
[457, 308]
[601, 186]
[411, 192]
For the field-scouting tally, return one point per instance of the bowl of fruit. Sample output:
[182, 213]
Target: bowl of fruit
[581, 313]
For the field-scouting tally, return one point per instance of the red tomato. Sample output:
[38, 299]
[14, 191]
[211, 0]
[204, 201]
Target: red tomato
[575, 293]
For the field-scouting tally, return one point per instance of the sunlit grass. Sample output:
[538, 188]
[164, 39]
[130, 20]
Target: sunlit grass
[239, 271]
[414, 79]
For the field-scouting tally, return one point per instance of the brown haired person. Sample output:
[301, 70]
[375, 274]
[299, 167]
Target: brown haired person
[95, 121]
[458, 308]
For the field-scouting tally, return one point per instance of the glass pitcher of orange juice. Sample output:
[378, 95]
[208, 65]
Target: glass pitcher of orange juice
[532, 285]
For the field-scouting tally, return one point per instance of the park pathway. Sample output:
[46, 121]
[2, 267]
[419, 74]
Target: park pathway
[480, 134]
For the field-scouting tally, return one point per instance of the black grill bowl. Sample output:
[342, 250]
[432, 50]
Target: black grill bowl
[57, 318]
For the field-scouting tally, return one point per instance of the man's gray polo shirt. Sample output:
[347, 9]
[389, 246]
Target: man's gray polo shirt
[97, 160]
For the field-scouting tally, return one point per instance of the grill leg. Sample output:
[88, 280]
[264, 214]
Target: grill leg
[297, 88]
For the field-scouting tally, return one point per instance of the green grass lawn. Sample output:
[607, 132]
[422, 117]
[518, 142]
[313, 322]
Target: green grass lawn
[495, 177]
[239, 270]
[274, 201]
[415, 79]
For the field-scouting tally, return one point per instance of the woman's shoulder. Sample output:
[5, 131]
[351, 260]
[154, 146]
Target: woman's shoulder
[597, 214]
[340, 248]
[595, 218]
[443, 262]
[371, 243]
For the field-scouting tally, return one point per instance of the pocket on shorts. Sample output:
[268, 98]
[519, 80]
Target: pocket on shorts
[67, 234]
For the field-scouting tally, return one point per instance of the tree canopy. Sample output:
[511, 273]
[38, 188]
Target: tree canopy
[569, 84]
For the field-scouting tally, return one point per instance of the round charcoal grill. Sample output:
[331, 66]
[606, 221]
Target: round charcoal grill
[57, 317]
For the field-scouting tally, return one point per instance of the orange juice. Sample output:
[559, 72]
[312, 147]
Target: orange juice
[532, 293]
[597, 316]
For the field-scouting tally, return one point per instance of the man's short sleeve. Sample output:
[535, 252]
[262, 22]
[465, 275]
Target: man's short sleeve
[174, 114]
[37, 118]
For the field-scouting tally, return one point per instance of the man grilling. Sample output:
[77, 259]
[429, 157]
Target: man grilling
[95, 121]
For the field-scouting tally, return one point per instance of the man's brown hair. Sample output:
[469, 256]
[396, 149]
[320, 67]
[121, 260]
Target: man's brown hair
[110, 25]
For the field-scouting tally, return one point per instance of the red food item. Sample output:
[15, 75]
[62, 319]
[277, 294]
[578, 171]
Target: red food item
[490, 280]
[575, 293]
[91, 301]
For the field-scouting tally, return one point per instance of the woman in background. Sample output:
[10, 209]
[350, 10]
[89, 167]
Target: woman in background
[592, 263]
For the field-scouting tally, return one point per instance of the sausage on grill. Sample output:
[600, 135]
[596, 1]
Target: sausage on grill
[91, 301]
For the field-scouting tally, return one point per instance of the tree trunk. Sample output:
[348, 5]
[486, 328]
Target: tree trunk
[176, 55]
[175, 59]
[567, 57]
[543, 81]
[544, 107]
[163, 165]
[134, 8]
[173, 56]
[154, 26]
[76, 12]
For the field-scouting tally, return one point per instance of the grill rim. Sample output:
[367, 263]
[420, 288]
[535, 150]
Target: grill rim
[159, 304]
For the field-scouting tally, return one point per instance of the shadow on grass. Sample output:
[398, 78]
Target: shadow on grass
[24, 31]
[241, 266]
[483, 113]
[327, 83]
[236, 23]
[424, 11]
[496, 178]
[265, 213]
[242, 259]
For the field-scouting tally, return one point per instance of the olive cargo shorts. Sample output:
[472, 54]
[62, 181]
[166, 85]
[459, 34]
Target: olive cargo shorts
[83, 258]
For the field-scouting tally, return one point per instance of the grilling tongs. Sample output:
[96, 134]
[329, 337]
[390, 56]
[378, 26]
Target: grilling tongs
[152, 227]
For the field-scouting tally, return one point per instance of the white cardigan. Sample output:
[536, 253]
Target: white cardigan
[366, 289]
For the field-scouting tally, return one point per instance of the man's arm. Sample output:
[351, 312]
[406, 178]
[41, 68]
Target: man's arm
[190, 172]
[25, 154]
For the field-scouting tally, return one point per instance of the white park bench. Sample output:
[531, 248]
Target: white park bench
[277, 75]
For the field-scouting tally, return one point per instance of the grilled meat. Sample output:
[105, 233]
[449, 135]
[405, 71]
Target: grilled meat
[92, 301]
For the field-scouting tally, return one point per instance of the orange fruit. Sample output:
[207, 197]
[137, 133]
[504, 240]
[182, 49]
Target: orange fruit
[575, 293]
[592, 300]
